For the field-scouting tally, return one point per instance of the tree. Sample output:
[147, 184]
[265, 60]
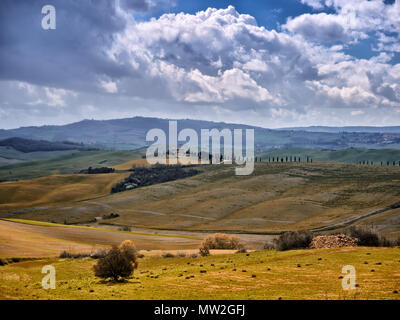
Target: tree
[119, 263]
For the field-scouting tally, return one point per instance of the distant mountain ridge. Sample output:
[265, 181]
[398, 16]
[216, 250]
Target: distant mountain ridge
[369, 129]
[130, 133]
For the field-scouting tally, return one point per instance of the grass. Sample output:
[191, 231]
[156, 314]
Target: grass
[66, 164]
[12, 155]
[56, 189]
[268, 275]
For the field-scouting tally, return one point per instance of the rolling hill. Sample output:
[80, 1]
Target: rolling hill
[16, 150]
[66, 164]
[29, 145]
[130, 133]
[275, 198]
[21, 238]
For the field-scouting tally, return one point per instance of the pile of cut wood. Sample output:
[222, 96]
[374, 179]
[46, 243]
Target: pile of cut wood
[336, 241]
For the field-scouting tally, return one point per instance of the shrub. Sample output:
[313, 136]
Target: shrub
[119, 263]
[144, 176]
[243, 250]
[69, 255]
[65, 255]
[4, 262]
[110, 216]
[99, 253]
[128, 249]
[293, 240]
[181, 254]
[204, 251]
[168, 255]
[369, 237]
[366, 236]
[269, 246]
[220, 241]
[125, 228]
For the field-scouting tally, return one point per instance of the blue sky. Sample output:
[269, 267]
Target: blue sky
[268, 13]
[268, 63]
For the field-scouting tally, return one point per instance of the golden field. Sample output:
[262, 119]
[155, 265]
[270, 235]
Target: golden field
[275, 198]
[297, 274]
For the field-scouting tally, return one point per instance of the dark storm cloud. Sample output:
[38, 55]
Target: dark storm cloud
[72, 55]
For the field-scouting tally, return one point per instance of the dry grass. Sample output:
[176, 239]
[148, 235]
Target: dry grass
[277, 197]
[287, 275]
[31, 239]
[128, 165]
[55, 189]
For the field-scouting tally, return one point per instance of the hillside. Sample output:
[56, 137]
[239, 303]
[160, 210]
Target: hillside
[66, 164]
[130, 133]
[31, 239]
[351, 155]
[16, 150]
[56, 189]
[10, 156]
[29, 145]
[276, 197]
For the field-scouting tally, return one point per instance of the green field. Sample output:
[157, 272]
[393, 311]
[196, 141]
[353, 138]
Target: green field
[257, 275]
[66, 164]
[10, 156]
[346, 155]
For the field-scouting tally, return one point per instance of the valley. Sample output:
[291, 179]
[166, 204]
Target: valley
[275, 198]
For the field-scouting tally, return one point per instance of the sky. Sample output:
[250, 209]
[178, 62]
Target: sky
[270, 63]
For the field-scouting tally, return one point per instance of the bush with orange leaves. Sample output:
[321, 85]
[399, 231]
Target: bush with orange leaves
[220, 241]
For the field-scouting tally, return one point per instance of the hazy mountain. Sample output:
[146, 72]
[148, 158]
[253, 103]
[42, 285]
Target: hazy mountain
[130, 133]
[392, 129]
